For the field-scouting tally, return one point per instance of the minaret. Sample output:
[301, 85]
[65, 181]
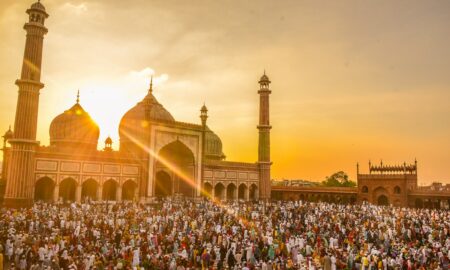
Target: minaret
[264, 139]
[203, 118]
[20, 182]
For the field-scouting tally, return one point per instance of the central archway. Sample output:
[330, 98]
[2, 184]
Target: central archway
[383, 200]
[179, 160]
[380, 196]
[43, 190]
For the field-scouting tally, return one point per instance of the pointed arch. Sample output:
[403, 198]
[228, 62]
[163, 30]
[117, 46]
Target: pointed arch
[207, 189]
[231, 192]
[219, 191]
[242, 192]
[89, 189]
[179, 160]
[43, 189]
[67, 189]
[382, 200]
[109, 190]
[129, 190]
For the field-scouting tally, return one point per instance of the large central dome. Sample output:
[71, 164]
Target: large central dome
[134, 123]
[74, 129]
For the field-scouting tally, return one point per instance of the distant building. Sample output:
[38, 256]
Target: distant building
[382, 185]
[294, 183]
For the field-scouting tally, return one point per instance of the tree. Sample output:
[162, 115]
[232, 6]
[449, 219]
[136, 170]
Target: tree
[338, 179]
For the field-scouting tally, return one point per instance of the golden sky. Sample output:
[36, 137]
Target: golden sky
[351, 80]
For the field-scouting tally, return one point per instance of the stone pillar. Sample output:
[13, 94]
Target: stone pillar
[78, 193]
[56, 193]
[246, 194]
[20, 183]
[119, 193]
[264, 139]
[100, 193]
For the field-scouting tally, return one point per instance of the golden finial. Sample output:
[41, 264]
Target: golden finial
[78, 96]
[150, 90]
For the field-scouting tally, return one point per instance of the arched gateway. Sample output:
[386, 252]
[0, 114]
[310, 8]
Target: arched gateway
[175, 167]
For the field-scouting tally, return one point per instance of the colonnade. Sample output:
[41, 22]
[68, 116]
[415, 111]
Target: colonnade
[71, 190]
[231, 192]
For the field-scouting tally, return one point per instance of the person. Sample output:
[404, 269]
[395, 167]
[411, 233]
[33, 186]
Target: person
[136, 257]
[186, 234]
[326, 262]
[333, 262]
[231, 259]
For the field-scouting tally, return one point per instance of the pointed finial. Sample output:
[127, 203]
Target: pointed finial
[150, 90]
[78, 96]
[204, 114]
[9, 127]
[204, 109]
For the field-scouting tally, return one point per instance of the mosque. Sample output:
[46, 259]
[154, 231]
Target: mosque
[158, 155]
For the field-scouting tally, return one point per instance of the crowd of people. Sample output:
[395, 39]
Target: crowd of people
[184, 234]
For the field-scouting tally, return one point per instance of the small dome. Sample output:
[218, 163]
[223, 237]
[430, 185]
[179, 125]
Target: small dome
[213, 146]
[264, 78]
[74, 129]
[38, 5]
[108, 140]
[9, 134]
[135, 122]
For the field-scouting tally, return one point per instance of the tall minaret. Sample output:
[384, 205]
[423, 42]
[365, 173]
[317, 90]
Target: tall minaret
[20, 181]
[264, 139]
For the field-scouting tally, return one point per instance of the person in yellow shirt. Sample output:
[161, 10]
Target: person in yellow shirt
[364, 263]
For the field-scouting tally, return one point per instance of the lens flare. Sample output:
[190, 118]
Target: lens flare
[172, 167]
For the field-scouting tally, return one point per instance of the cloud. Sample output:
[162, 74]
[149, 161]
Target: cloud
[145, 74]
[78, 9]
